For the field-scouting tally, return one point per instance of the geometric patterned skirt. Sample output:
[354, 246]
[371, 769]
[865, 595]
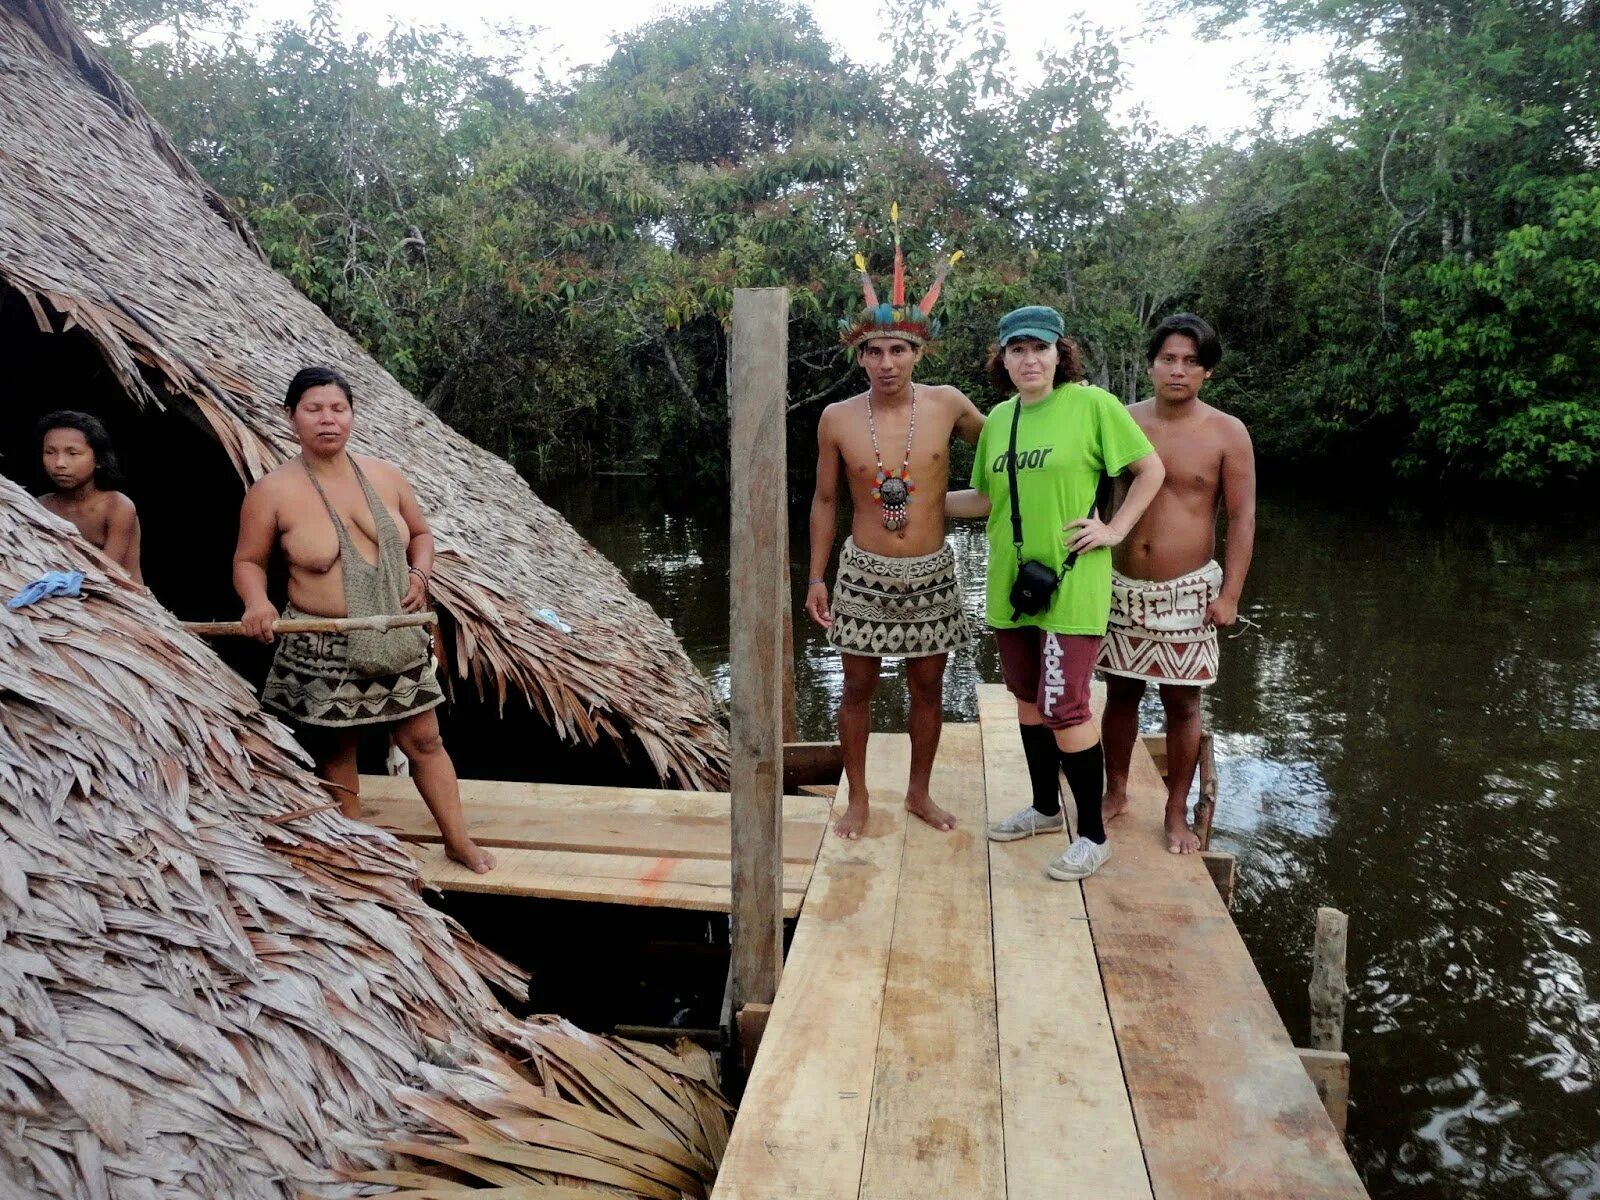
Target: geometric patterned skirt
[312, 682]
[897, 607]
[1157, 630]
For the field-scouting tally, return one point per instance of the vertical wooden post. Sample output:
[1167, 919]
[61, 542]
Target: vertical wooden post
[1205, 807]
[791, 721]
[1327, 980]
[759, 595]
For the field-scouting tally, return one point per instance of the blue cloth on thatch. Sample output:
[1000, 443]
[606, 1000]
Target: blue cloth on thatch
[53, 583]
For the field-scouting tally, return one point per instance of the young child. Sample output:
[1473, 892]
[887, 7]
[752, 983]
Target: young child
[75, 452]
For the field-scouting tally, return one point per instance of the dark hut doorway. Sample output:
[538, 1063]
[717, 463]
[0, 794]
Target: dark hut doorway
[186, 491]
[188, 496]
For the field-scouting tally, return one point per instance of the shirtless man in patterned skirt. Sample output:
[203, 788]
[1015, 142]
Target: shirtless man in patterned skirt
[1168, 595]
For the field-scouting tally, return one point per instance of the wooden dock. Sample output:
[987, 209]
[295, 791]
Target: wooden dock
[601, 844]
[952, 1023]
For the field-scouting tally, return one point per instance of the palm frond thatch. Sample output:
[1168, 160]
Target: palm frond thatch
[104, 227]
[212, 984]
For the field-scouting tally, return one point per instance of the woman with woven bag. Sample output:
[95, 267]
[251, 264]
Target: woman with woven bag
[1036, 476]
[357, 545]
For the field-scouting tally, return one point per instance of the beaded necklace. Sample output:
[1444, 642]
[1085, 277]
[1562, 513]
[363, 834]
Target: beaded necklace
[892, 489]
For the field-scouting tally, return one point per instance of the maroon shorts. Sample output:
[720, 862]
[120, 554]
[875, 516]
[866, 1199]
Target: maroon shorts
[1050, 670]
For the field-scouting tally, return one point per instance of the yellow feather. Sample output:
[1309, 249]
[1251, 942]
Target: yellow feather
[861, 263]
[894, 212]
[957, 257]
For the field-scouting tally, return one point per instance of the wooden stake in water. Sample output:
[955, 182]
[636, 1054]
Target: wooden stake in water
[1328, 989]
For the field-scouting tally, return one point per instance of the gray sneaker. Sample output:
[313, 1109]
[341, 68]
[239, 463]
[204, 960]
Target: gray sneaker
[1081, 860]
[1026, 823]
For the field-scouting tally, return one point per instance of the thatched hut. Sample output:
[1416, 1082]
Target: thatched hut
[213, 985]
[129, 287]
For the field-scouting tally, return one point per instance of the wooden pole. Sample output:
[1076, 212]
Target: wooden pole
[759, 588]
[1205, 807]
[1327, 980]
[210, 629]
[791, 726]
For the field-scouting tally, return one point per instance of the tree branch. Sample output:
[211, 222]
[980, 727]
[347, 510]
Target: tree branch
[665, 345]
[824, 393]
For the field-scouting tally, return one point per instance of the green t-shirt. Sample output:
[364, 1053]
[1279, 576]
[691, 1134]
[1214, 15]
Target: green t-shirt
[1065, 443]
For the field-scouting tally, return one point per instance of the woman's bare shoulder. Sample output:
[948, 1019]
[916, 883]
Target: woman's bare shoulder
[276, 483]
[386, 476]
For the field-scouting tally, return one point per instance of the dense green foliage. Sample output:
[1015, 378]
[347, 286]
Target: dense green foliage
[551, 266]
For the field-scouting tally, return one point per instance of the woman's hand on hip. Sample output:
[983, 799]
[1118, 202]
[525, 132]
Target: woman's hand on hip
[1089, 533]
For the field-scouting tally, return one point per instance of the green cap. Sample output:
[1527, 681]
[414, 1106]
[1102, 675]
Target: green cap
[1035, 321]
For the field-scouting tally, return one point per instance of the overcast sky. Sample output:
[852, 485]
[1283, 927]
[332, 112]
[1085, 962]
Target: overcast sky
[1182, 81]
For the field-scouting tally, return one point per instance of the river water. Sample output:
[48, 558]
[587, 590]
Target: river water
[1408, 731]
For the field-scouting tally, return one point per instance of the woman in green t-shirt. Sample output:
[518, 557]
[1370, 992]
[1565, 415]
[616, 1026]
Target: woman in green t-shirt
[1068, 435]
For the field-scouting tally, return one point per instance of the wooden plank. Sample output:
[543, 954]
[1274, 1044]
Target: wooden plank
[1062, 1089]
[759, 592]
[554, 876]
[548, 817]
[936, 1112]
[570, 797]
[1329, 1072]
[1223, 1105]
[802, 1125]
[704, 872]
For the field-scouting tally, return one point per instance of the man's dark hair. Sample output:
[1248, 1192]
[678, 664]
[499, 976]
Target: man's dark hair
[107, 474]
[1208, 346]
[1069, 366]
[309, 377]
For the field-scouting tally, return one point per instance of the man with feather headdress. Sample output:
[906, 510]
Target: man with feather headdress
[895, 594]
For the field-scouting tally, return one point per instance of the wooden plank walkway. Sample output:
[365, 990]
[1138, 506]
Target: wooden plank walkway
[608, 845]
[953, 1023]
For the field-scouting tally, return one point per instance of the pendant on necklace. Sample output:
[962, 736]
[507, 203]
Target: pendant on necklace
[892, 490]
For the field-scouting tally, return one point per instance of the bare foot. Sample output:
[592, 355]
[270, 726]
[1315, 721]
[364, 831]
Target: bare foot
[470, 855]
[854, 820]
[1180, 838]
[924, 807]
[1113, 806]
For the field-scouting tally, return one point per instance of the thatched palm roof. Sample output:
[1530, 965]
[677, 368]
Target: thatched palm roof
[105, 227]
[214, 985]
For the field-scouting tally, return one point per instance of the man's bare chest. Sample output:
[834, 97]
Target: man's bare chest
[1193, 463]
[924, 452]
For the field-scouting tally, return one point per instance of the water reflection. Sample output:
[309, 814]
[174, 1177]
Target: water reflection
[1408, 733]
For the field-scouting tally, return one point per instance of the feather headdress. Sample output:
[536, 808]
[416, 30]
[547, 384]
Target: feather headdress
[913, 323]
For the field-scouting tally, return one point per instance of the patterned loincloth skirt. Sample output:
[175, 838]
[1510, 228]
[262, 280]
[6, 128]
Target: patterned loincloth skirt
[1157, 631]
[312, 682]
[897, 607]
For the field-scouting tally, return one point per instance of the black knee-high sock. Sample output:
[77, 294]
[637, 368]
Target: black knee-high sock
[1044, 768]
[1086, 776]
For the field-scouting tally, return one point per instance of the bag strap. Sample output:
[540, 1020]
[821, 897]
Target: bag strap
[1016, 506]
[1011, 471]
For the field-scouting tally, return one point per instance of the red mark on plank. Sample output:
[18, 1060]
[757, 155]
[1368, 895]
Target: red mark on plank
[658, 873]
